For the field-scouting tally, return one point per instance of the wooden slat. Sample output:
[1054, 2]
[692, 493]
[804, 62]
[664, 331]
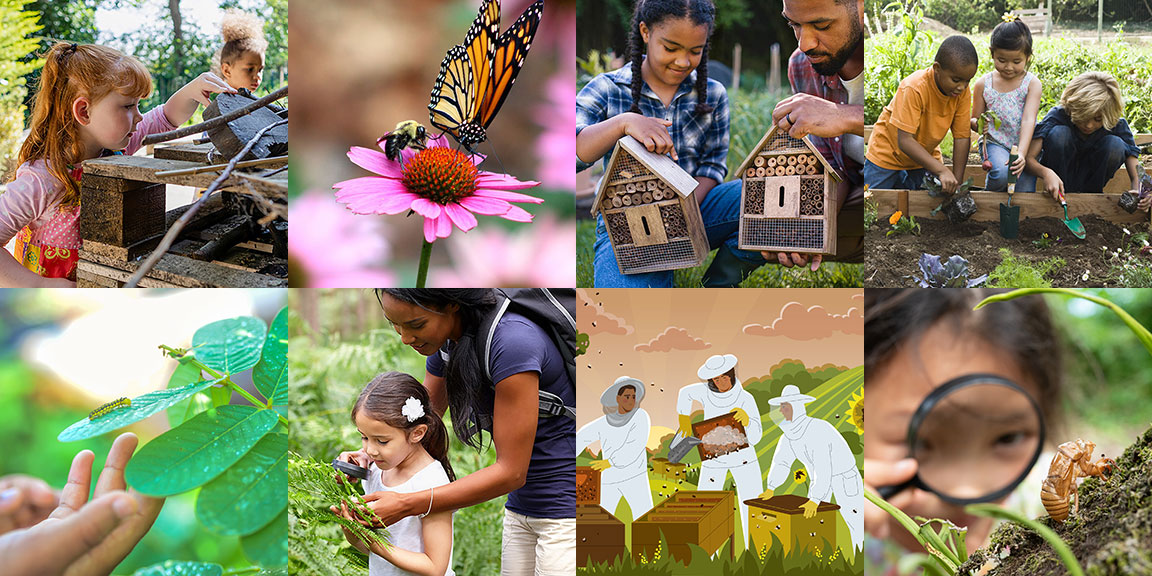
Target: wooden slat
[1035, 205]
[174, 270]
[1119, 182]
[1141, 139]
[144, 168]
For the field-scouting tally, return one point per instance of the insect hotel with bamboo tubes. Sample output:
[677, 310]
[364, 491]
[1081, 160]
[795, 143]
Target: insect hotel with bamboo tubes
[232, 239]
[781, 517]
[652, 218]
[788, 197]
[599, 535]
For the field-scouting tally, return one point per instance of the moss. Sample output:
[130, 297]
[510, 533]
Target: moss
[1110, 535]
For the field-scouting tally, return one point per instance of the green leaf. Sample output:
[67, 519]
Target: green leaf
[231, 345]
[174, 568]
[221, 396]
[141, 408]
[268, 546]
[250, 494]
[271, 373]
[184, 375]
[199, 450]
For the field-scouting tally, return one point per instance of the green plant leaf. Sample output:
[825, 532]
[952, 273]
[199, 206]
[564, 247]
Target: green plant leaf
[199, 450]
[221, 396]
[231, 345]
[141, 408]
[271, 373]
[174, 568]
[267, 547]
[247, 496]
[184, 375]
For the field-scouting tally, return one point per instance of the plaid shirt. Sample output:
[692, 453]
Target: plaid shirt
[804, 79]
[701, 141]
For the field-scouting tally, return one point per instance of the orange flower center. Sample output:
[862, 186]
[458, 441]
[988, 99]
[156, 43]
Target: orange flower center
[440, 174]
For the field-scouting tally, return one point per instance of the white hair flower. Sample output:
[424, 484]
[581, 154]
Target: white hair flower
[413, 409]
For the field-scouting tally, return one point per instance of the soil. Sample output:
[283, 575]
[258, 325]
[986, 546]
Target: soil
[1110, 535]
[893, 261]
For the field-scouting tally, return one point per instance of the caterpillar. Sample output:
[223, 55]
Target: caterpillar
[113, 405]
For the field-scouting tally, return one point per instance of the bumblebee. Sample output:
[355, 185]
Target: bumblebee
[408, 133]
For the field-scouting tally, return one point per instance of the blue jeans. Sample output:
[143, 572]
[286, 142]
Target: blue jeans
[721, 213]
[997, 180]
[884, 179]
[1083, 163]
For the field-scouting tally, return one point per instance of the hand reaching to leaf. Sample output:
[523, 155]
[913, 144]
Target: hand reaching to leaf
[98, 533]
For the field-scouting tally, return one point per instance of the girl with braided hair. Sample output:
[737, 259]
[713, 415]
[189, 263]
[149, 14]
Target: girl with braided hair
[665, 100]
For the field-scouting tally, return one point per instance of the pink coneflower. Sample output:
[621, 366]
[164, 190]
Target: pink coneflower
[542, 256]
[441, 184]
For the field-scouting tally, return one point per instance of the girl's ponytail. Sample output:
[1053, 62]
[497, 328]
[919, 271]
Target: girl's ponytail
[636, 53]
[435, 442]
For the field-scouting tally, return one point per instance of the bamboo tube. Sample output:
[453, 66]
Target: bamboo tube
[760, 162]
[772, 162]
[661, 184]
[616, 202]
[780, 170]
[811, 169]
[657, 195]
[626, 199]
[751, 173]
[790, 171]
[791, 160]
[636, 198]
[630, 187]
[646, 198]
[650, 185]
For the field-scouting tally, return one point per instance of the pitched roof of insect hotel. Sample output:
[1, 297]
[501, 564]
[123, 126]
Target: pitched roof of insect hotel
[658, 164]
[793, 142]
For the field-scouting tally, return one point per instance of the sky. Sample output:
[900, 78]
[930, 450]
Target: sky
[663, 336]
[205, 14]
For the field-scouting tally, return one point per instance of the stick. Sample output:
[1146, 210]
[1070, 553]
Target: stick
[183, 221]
[209, 124]
[215, 167]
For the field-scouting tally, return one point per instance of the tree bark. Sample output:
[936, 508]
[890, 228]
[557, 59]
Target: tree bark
[177, 38]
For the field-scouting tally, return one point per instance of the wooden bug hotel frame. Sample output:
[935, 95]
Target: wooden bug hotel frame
[652, 218]
[787, 197]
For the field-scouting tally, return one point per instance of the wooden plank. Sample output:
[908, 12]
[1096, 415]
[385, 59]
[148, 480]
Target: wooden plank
[144, 168]
[1034, 205]
[173, 270]
[1119, 182]
[198, 153]
[1141, 139]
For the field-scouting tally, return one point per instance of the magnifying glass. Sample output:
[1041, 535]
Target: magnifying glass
[975, 439]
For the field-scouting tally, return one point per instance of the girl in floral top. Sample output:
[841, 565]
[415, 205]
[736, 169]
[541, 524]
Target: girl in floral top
[87, 107]
[1013, 94]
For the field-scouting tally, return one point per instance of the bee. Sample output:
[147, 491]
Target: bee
[113, 405]
[1072, 461]
[408, 133]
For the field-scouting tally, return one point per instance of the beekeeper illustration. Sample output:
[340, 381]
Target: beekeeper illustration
[825, 455]
[623, 435]
[720, 393]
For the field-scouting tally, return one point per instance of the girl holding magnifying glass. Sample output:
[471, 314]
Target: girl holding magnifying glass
[960, 400]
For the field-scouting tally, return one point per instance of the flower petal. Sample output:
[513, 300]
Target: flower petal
[438, 141]
[477, 158]
[426, 208]
[429, 229]
[487, 206]
[517, 214]
[374, 195]
[502, 182]
[463, 219]
[374, 161]
[505, 195]
[443, 226]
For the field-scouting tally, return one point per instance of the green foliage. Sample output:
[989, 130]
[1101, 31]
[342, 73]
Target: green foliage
[965, 15]
[595, 64]
[1014, 272]
[16, 25]
[903, 225]
[171, 568]
[231, 345]
[1045, 241]
[894, 56]
[314, 487]
[1131, 265]
[871, 212]
[251, 489]
[141, 408]
[750, 117]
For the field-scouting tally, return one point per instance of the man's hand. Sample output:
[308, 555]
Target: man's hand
[741, 416]
[804, 114]
[601, 464]
[767, 494]
[795, 259]
[809, 508]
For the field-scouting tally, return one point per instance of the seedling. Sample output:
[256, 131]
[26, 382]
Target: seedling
[952, 273]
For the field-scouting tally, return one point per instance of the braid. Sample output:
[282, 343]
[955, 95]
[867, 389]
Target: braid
[702, 106]
[636, 51]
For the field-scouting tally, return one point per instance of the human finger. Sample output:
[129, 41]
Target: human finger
[84, 531]
[783, 259]
[75, 493]
[816, 260]
[112, 476]
[798, 260]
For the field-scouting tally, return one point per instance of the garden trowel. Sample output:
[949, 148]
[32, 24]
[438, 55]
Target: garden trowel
[1010, 215]
[680, 446]
[1074, 224]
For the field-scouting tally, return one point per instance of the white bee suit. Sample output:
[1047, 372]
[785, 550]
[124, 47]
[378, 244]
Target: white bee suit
[623, 443]
[830, 464]
[743, 464]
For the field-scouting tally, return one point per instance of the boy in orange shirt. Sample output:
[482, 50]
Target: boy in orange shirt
[928, 103]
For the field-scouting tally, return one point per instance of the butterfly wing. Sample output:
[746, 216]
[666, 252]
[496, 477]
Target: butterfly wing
[511, 49]
[466, 73]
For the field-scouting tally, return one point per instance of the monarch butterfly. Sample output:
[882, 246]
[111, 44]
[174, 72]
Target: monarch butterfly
[475, 76]
[113, 405]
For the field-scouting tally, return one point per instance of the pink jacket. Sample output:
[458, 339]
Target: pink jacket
[47, 232]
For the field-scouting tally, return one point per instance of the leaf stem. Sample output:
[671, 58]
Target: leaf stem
[911, 526]
[1141, 332]
[1062, 550]
[182, 355]
[425, 257]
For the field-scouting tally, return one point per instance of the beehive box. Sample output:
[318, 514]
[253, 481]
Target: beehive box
[782, 516]
[599, 536]
[666, 470]
[652, 218]
[709, 451]
[587, 485]
[703, 518]
[787, 197]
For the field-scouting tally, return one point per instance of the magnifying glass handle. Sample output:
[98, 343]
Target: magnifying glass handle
[887, 492]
